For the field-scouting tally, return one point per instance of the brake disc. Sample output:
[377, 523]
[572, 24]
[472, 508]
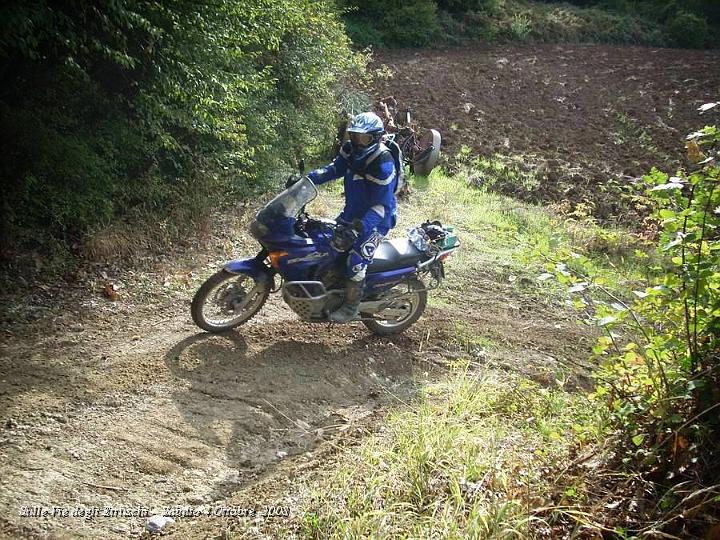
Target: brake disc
[231, 297]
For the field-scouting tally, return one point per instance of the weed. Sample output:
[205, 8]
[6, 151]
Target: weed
[521, 26]
[468, 461]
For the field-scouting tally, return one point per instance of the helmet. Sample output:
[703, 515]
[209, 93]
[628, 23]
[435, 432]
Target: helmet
[365, 131]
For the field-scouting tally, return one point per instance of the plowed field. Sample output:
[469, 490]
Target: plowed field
[579, 115]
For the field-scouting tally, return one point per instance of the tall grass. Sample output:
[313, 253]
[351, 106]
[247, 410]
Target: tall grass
[471, 460]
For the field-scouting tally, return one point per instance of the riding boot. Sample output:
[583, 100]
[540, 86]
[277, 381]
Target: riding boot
[349, 308]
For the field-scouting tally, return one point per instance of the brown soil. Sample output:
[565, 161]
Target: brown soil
[580, 114]
[139, 409]
[125, 404]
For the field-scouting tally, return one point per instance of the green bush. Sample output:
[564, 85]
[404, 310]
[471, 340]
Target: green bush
[109, 112]
[659, 357]
[462, 6]
[641, 22]
[364, 32]
[688, 30]
[414, 25]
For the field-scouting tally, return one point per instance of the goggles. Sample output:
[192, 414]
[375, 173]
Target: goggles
[360, 140]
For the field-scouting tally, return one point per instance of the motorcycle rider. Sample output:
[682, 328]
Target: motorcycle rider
[368, 168]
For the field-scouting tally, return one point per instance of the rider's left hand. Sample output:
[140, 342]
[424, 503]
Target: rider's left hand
[292, 180]
[344, 236]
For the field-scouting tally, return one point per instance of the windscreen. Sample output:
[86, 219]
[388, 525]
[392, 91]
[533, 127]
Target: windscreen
[289, 203]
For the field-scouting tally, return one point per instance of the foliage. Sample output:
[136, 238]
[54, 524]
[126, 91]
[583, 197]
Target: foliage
[414, 25]
[462, 6]
[688, 30]
[557, 23]
[132, 108]
[407, 24]
[363, 32]
[468, 461]
[659, 365]
[643, 22]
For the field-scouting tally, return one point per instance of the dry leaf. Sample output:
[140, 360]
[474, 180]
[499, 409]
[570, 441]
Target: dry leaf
[681, 443]
[110, 292]
[693, 151]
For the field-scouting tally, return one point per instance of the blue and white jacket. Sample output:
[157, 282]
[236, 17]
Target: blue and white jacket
[369, 188]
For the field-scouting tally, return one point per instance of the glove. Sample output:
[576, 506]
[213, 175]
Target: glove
[344, 237]
[358, 226]
[292, 180]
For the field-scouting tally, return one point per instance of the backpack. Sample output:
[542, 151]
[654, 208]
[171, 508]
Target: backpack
[391, 146]
[398, 158]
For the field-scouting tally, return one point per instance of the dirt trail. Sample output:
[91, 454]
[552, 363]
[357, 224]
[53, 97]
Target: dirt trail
[177, 417]
[148, 413]
[126, 405]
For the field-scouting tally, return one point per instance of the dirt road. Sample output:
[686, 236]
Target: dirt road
[161, 415]
[136, 410]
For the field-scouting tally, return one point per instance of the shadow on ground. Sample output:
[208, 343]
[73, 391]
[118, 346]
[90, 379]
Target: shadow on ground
[262, 400]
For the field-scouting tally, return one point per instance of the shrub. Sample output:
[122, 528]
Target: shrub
[462, 6]
[688, 30]
[107, 112]
[364, 32]
[659, 358]
[414, 25]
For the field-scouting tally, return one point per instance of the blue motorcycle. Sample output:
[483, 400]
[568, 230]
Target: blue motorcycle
[312, 272]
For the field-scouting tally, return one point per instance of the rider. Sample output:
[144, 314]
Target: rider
[370, 212]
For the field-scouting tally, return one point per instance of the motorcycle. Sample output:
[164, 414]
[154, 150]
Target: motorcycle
[299, 250]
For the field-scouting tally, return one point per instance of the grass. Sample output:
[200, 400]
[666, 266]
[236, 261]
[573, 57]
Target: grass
[490, 226]
[484, 452]
[498, 231]
[474, 459]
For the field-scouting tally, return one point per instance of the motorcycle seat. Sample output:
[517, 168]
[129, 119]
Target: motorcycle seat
[394, 254]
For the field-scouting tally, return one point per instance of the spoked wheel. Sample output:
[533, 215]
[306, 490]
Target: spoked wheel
[402, 313]
[428, 156]
[227, 300]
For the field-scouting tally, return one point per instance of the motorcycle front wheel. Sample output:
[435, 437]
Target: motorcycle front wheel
[402, 313]
[227, 300]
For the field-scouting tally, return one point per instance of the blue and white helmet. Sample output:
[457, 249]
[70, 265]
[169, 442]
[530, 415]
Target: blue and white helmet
[365, 131]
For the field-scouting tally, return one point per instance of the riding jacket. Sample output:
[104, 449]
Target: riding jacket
[369, 187]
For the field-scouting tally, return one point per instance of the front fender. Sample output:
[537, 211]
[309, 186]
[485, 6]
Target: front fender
[251, 267]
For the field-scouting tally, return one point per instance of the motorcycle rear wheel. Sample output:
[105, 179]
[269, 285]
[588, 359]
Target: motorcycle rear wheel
[237, 298]
[413, 304]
